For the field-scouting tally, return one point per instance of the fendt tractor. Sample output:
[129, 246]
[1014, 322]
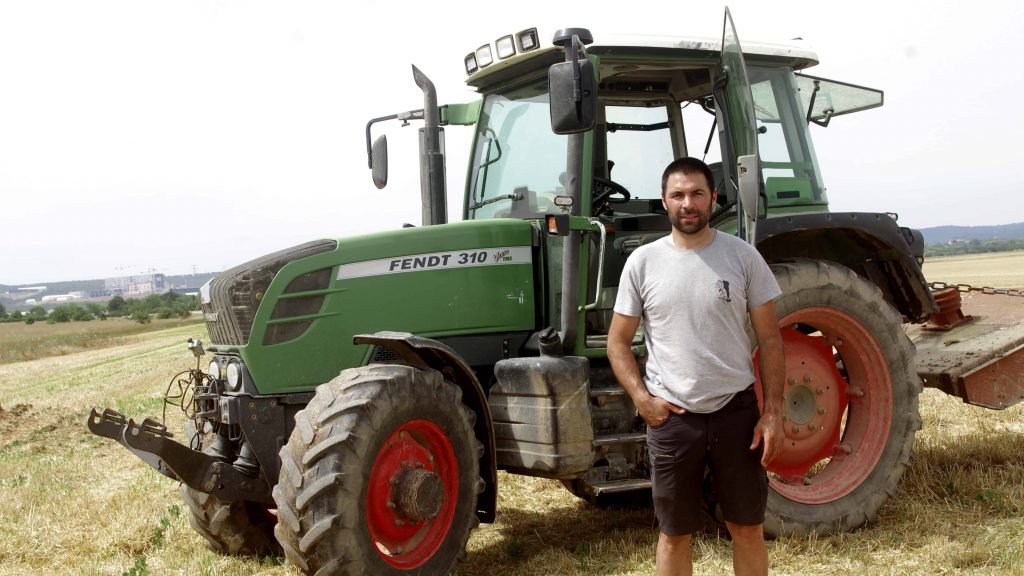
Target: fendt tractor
[363, 392]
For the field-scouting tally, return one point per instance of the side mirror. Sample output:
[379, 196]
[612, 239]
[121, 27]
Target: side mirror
[379, 161]
[748, 182]
[573, 102]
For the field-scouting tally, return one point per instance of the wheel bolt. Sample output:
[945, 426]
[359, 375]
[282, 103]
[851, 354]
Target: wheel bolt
[807, 378]
[419, 464]
[847, 450]
[821, 410]
[792, 381]
[398, 522]
[820, 390]
[390, 505]
[796, 429]
[812, 427]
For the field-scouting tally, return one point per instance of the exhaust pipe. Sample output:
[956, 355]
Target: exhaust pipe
[432, 176]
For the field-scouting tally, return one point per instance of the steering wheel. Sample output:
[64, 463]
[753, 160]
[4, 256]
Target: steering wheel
[604, 189]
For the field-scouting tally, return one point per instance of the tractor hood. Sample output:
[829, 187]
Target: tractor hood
[299, 308]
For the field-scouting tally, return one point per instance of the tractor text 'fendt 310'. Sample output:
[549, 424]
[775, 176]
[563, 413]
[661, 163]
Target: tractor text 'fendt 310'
[363, 392]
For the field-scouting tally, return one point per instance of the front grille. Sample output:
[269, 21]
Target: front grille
[235, 295]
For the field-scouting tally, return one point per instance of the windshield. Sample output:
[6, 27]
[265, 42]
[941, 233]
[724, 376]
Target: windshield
[518, 162]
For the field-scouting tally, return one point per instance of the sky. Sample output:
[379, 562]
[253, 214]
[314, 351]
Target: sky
[184, 136]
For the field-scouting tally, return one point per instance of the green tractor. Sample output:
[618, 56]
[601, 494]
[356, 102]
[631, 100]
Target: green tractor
[363, 392]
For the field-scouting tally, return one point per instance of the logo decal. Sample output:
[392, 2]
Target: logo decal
[437, 261]
[722, 286]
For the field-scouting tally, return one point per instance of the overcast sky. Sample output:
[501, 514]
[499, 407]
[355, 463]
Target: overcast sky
[176, 135]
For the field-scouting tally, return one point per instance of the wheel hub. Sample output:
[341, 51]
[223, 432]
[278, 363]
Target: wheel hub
[815, 399]
[418, 494]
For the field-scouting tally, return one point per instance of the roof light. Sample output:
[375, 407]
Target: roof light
[471, 63]
[484, 58]
[528, 40]
[505, 46]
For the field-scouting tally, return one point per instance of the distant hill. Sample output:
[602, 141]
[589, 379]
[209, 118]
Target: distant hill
[945, 234]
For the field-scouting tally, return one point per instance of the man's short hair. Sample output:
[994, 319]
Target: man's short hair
[688, 165]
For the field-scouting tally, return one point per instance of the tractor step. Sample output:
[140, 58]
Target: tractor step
[616, 486]
[627, 438]
[604, 391]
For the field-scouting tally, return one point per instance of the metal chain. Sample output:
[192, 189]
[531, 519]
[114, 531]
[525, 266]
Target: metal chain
[969, 288]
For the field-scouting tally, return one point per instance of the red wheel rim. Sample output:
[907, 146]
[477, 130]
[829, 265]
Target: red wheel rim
[416, 445]
[838, 401]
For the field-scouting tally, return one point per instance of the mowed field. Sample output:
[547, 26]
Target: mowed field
[73, 503]
[995, 270]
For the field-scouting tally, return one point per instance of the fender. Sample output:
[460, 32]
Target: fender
[872, 245]
[426, 353]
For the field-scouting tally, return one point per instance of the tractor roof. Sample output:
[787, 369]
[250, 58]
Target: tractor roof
[700, 51]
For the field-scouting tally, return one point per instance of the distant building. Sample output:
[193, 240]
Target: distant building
[62, 297]
[139, 285]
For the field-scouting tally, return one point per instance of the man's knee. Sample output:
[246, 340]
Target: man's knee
[745, 533]
[674, 541]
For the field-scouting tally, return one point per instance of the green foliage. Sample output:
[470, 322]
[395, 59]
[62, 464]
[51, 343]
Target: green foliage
[141, 315]
[61, 314]
[972, 247]
[69, 312]
[3, 313]
[37, 313]
[117, 306]
[166, 305]
[96, 310]
[16, 315]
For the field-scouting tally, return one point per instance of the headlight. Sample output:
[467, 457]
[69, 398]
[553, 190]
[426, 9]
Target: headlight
[234, 376]
[214, 370]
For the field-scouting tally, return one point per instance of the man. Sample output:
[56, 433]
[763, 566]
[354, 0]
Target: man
[694, 291]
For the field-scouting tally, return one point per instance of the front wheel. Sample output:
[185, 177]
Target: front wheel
[850, 400]
[380, 475]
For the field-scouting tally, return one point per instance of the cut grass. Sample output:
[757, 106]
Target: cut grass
[20, 342]
[995, 269]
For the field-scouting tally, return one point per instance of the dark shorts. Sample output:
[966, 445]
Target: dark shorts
[685, 444]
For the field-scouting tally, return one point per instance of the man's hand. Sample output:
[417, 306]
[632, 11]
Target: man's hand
[769, 428]
[655, 410]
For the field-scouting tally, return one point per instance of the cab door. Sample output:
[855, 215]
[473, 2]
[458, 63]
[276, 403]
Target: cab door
[737, 131]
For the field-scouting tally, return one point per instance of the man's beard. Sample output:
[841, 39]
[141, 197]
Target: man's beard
[691, 227]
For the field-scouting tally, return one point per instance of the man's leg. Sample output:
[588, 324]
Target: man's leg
[740, 482]
[749, 554]
[674, 556]
[677, 449]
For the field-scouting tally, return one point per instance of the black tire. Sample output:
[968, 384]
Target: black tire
[874, 366]
[338, 468]
[238, 528]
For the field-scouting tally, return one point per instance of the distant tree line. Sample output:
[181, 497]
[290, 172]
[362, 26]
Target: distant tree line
[973, 247]
[166, 305]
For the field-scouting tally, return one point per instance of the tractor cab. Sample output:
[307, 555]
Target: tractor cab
[656, 100]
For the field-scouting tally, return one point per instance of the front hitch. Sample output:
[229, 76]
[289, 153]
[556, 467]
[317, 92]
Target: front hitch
[151, 442]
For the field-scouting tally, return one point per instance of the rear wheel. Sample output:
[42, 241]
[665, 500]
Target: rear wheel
[380, 475]
[850, 397]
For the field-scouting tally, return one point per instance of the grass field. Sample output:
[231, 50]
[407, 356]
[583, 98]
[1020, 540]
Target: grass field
[996, 269]
[20, 341]
[73, 503]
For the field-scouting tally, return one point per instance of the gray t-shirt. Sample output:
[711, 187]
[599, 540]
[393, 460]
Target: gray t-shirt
[694, 307]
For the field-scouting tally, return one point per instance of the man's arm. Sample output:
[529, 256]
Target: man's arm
[772, 370]
[652, 409]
